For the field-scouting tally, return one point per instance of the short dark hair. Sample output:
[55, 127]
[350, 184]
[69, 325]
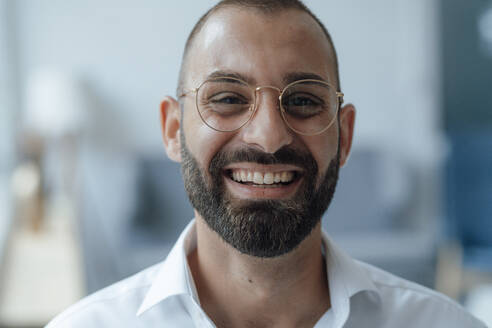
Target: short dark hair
[268, 7]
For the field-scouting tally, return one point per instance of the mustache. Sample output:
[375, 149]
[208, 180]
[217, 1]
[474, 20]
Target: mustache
[285, 155]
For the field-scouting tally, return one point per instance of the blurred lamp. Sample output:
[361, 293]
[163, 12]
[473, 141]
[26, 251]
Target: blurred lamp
[54, 116]
[55, 104]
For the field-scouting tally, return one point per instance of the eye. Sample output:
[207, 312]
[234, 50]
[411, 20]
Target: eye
[300, 100]
[303, 105]
[228, 98]
[225, 103]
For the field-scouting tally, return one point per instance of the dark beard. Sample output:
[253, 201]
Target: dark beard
[261, 228]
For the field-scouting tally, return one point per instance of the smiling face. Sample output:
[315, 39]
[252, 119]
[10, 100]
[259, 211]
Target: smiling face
[262, 188]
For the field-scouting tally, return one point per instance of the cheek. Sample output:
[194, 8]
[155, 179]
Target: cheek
[202, 142]
[323, 147]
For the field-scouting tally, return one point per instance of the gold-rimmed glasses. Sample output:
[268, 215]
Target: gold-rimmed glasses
[226, 104]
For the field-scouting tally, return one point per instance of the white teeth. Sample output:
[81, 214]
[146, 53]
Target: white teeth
[286, 176]
[268, 178]
[258, 178]
[262, 178]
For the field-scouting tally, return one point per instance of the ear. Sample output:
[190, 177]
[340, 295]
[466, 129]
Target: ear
[347, 121]
[171, 125]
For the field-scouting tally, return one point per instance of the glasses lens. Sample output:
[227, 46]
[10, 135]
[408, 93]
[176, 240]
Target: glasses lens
[225, 104]
[309, 107]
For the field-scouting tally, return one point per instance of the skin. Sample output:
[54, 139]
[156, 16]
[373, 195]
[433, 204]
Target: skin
[238, 290]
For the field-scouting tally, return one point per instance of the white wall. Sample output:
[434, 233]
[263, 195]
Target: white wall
[129, 52]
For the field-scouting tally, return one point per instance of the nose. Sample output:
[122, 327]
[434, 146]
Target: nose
[267, 129]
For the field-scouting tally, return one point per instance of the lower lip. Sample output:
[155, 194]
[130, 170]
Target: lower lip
[244, 191]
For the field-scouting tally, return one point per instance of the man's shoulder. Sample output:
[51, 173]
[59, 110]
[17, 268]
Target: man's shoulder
[420, 305]
[119, 301]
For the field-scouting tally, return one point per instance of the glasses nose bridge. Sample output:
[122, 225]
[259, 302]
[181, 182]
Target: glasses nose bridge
[271, 87]
[261, 87]
[257, 100]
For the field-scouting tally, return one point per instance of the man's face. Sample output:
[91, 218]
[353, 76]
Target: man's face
[259, 218]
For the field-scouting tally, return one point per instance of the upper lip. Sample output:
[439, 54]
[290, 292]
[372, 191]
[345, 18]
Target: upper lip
[262, 167]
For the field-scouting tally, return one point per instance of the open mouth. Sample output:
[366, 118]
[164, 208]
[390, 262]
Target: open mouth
[263, 179]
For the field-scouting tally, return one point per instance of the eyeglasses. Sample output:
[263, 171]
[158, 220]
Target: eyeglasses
[226, 104]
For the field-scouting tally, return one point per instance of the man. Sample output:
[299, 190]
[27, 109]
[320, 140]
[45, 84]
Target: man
[260, 130]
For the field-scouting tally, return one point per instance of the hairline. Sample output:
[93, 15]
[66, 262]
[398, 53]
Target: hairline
[203, 20]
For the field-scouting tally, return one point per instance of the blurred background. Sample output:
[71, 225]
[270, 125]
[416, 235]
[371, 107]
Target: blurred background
[88, 197]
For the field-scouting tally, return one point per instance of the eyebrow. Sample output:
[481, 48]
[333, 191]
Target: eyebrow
[296, 76]
[288, 78]
[231, 74]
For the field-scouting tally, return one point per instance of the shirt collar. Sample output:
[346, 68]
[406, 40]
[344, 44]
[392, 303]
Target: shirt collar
[345, 276]
[174, 276]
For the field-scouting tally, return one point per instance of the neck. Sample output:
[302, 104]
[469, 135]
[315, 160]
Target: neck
[238, 290]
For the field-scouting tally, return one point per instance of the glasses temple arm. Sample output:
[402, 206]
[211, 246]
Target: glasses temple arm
[187, 92]
[340, 97]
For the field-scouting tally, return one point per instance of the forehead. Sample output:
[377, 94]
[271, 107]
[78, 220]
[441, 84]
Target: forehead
[264, 48]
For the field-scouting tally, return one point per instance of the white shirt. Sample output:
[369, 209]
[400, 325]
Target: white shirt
[164, 295]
